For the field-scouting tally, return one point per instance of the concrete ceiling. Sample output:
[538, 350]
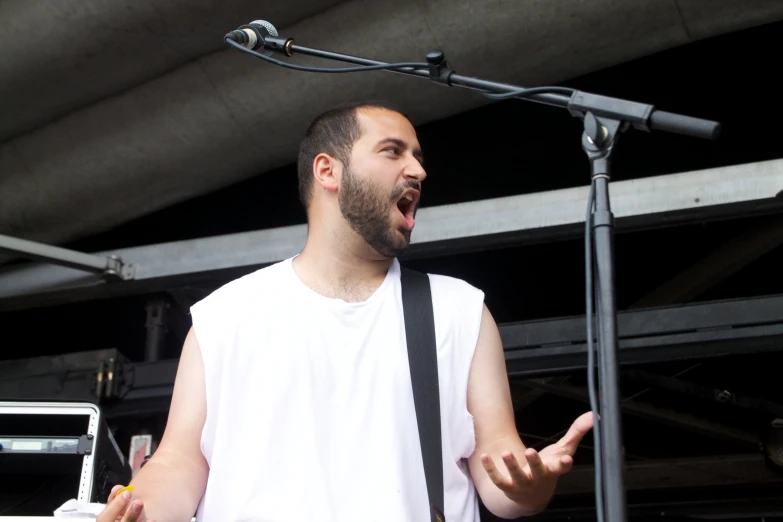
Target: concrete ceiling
[111, 110]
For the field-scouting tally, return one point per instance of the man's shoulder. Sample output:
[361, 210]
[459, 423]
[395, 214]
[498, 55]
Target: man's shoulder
[451, 284]
[458, 307]
[452, 289]
[249, 285]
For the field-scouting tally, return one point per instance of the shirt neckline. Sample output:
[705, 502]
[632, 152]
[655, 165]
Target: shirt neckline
[391, 275]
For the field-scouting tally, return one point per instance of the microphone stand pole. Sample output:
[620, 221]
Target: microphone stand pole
[598, 141]
[604, 119]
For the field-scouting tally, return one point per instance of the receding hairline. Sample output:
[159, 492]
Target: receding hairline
[363, 130]
[357, 111]
[376, 108]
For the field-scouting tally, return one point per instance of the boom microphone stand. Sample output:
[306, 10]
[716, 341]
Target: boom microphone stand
[604, 118]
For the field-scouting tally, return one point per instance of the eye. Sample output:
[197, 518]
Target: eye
[394, 150]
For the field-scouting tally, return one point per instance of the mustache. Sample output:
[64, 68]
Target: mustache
[405, 186]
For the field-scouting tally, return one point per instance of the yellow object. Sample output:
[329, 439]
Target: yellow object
[126, 488]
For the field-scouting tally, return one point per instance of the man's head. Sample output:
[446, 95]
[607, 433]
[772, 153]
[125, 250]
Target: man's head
[361, 164]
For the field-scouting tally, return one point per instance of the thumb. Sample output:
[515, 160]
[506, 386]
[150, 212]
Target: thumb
[115, 508]
[577, 431]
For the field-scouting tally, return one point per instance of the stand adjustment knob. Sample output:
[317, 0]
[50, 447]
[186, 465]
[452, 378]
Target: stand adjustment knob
[595, 132]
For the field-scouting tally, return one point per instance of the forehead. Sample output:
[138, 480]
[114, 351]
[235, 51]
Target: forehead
[378, 124]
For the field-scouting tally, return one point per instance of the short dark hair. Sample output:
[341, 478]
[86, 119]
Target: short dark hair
[333, 132]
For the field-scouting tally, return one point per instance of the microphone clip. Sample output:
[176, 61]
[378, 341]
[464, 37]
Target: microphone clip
[439, 67]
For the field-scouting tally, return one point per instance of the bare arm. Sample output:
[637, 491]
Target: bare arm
[172, 482]
[524, 481]
[489, 401]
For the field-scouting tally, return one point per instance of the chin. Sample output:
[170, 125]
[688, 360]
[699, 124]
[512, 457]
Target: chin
[406, 237]
[397, 248]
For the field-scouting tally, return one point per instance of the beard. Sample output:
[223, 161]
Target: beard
[367, 212]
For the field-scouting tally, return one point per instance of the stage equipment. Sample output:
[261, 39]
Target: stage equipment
[53, 452]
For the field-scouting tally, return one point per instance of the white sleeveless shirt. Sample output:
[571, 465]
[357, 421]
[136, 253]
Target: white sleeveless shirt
[310, 413]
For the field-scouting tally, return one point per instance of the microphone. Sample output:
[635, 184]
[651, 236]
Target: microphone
[253, 35]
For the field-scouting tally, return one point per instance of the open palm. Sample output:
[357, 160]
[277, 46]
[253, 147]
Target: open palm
[532, 475]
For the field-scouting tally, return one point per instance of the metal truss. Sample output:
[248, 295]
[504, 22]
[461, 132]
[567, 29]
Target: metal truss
[659, 201]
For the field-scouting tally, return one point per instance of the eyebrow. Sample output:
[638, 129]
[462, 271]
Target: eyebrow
[404, 145]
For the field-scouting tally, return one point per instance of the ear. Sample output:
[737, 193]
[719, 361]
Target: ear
[327, 171]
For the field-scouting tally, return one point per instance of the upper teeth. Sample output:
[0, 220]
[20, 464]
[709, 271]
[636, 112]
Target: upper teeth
[409, 197]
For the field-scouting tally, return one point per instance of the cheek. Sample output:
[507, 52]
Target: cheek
[382, 189]
[376, 178]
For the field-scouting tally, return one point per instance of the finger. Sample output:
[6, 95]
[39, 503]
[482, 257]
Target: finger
[114, 509]
[537, 467]
[134, 511]
[113, 492]
[576, 432]
[497, 478]
[566, 463]
[561, 465]
[518, 475]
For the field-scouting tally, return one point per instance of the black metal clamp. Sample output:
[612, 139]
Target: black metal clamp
[439, 67]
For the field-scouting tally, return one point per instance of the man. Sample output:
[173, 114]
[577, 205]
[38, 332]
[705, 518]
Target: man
[293, 398]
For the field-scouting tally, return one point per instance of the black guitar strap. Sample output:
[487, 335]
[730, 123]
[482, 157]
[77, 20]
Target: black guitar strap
[423, 361]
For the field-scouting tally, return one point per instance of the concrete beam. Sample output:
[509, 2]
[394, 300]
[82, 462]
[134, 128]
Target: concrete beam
[445, 230]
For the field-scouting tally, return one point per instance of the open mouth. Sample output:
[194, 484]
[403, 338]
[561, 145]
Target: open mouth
[407, 207]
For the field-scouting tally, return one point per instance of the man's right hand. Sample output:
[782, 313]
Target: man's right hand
[122, 508]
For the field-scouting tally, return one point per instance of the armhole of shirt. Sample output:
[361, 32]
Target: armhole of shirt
[203, 319]
[469, 334]
[461, 306]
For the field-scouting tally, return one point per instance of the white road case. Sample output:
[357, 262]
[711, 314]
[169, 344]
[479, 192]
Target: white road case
[53, 452]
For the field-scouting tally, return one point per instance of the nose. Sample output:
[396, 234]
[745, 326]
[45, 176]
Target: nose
[414, 171]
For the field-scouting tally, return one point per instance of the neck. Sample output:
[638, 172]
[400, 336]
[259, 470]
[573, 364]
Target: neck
[338, 263]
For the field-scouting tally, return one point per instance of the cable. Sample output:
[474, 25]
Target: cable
[391, 66]
[530, 91]
[591, 385]
[403, 65]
